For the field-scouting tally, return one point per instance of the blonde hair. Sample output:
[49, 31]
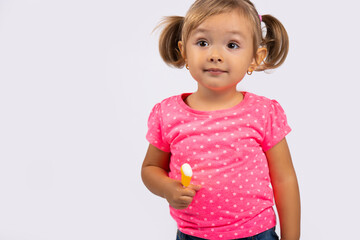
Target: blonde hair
[176, 28]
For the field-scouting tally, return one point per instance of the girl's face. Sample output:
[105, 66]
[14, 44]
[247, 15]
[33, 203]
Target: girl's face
[220, 51]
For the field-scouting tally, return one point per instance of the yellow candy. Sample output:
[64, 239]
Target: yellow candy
[186, 174]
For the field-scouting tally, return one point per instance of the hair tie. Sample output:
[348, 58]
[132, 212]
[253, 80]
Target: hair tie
[260, 18]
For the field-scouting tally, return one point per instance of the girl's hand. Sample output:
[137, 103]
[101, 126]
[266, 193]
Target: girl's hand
[154, 173]
[178, 196]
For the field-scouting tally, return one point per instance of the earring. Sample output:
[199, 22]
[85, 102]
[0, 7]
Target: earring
[249, 72]
[187, 66]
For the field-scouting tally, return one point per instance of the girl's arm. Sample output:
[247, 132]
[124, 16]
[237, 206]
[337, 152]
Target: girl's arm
[154, 173]
[286, 190]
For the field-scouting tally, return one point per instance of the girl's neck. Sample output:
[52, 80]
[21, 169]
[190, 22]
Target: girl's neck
[207, 100]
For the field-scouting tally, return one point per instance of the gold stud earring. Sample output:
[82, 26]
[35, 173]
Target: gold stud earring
[249, 72]
[187, 66]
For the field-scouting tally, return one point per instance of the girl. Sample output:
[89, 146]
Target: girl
[234, 140]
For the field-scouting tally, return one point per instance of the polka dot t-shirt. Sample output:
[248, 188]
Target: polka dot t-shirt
[226, 150]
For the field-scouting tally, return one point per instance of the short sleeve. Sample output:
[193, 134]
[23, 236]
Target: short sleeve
[155, 133]
[276, 126]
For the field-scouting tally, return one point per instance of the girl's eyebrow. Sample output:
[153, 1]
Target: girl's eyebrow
[234, 32]
[200, 30]
[238, 33]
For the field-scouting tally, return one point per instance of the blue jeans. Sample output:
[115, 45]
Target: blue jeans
[267, 235]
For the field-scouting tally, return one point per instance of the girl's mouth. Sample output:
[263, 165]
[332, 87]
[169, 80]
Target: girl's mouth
[215, 71]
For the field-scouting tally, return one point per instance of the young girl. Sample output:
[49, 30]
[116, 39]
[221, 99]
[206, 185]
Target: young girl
[233, 140]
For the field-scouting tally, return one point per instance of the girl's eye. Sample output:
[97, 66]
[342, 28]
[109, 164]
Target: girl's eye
[233, 46]
[202, 43]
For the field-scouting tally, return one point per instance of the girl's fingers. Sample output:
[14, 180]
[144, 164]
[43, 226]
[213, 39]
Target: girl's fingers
[191, 190]
[185, 200]
[195, 187]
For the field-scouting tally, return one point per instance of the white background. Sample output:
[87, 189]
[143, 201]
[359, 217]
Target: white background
[78, 79]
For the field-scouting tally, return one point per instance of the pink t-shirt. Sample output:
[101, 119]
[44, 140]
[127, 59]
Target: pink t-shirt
[226, 150]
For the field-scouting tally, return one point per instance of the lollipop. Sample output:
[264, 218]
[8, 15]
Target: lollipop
[186, 174]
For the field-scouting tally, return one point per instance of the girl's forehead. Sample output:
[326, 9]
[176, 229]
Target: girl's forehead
[229, 22]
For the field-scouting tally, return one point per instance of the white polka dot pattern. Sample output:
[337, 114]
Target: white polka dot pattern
[226, 151]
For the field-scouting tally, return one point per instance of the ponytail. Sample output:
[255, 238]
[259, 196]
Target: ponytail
[169, 38]
[276, 42]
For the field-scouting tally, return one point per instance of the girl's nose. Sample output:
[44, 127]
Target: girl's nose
[215, 57]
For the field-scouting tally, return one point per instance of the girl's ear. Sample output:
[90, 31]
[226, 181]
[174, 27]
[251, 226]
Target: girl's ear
[182, 50]
[259, 57]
